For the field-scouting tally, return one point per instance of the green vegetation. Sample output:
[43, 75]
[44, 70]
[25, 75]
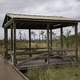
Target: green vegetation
[1, 46]
[61, 73]
[50, 73]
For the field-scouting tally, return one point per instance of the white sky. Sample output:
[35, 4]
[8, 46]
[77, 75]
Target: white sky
[68, 8]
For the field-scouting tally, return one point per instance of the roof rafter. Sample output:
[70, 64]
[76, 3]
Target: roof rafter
[8, 23]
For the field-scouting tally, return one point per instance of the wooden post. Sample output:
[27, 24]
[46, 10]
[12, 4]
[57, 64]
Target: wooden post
[30, 42]
[76, 42]
[51, 40]
[61, 30]
[48, 42]
[12, 47]
[6, 43]
[48, 38]
[11, 38]
[14, 44]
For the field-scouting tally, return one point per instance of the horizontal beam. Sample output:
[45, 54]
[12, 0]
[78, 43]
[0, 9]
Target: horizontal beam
[44, 20]
[41, 22]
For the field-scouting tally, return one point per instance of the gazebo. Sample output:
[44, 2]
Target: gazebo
[22, 21]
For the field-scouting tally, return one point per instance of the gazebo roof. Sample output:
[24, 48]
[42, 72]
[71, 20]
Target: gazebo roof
[23, 16]
[37, 21]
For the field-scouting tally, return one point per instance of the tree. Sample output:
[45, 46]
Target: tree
[33, 34]
[24, 36]
[68, 38]
[45, 36]
[42, 34]
[68, 33]
[20, 35]
[53, 36]
[39, 36]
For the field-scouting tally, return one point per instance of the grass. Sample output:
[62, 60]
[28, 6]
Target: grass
[61, 73]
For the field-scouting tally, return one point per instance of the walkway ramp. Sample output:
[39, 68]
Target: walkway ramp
[9, 72]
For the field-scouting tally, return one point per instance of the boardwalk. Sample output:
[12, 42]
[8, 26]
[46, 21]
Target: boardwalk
[40, 61]
[7, 72]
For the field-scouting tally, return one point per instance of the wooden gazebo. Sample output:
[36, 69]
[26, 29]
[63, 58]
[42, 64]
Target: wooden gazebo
[22, 21]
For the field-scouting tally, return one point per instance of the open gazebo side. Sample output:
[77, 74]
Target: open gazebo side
[20, 21]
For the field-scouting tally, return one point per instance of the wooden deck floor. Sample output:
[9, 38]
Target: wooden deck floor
[7, 72]
[37, 62]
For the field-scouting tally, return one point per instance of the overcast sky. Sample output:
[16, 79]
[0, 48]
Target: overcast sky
[69, 8]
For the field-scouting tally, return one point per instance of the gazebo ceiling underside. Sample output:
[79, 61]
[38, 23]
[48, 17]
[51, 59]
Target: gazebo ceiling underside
[38, 22]
[42, 25]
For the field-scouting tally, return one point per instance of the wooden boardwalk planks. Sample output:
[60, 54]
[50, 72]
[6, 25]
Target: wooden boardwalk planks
[7, 72]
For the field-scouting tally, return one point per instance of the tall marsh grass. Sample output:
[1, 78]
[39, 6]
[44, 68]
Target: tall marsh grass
[64, 73]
